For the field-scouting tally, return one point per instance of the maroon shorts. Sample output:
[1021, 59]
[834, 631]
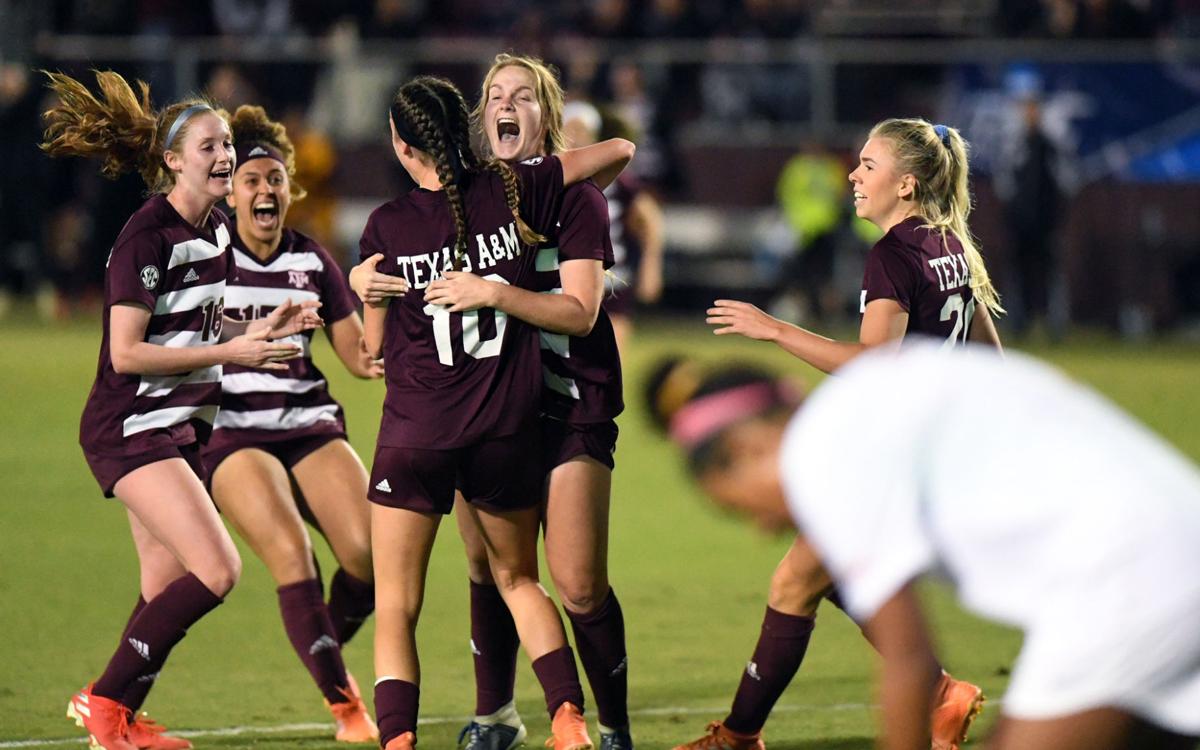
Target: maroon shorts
[562, 441]
[289, 451]
[108, 469]
[499, 475]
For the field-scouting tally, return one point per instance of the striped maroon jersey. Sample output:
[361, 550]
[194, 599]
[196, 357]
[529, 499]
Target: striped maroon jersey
[626, 248]
[927, 276]
[454, 379]
[267, 405]
[177, 272]
[581, 374]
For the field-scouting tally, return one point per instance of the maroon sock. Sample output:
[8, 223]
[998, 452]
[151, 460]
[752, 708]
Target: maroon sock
[351, 602]
[494, 642]
[600, 639]
[135, 694]
[153, 633]
[780, 649]
[396, 704]
[306, 621]
[560, 679]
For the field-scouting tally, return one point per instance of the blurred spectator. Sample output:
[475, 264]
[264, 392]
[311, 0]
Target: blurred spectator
[316, 160]
[21, 262]
[259, 18]
[1029, 182]
[230, 88]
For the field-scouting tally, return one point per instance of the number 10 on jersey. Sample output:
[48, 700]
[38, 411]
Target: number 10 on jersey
[472, 345]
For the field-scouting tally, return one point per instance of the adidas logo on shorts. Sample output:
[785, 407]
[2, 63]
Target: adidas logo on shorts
[384, 486]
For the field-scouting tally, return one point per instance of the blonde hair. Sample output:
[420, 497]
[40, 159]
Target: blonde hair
[939, 164]
[123, 131]
[250, 124]
[549, 94]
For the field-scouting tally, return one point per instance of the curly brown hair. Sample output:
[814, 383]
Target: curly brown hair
[250, 124]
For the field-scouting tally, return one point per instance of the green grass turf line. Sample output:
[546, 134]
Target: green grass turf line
[692, 582]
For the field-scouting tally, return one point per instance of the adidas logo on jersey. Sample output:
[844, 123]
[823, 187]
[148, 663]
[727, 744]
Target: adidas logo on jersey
[142, 648]
[752, 670]
[384, 486]
[324, 643]
[191, 276]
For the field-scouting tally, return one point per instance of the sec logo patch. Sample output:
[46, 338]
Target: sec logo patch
[149, 276]
[534, 161]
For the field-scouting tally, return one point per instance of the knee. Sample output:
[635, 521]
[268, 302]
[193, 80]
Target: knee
[479, 570]
[510, 578]
[290, 559]
[796, 595]
[581, 594]
[221, 574]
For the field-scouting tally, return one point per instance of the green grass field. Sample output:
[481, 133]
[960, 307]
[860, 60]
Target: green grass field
[692, 582]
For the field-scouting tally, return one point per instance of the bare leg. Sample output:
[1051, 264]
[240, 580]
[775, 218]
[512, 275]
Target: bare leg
[577, 532]
[799, 582]
[402, 541]
[334, 483]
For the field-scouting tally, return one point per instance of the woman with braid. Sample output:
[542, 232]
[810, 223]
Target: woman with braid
[157, 384]
[923, 278]
[462, 392]
[279, 431]
[520, 114]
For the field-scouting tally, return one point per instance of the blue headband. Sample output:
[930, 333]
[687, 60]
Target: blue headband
[943, 134]
[183, 117]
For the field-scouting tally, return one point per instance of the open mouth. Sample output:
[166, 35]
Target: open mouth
[221, 174]
[266, 214]
[508, 130]
[858, 197]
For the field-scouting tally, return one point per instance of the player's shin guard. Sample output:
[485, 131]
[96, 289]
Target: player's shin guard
[396, 706]
[600, 639]
[780, 650]
[306, 620]
[559, 678]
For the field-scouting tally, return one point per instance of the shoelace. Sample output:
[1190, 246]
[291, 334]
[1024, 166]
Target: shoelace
[143, 722]
[475, 730]
[713, 741]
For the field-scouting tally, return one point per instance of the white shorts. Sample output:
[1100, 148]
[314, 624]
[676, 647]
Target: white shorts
[1122, 658]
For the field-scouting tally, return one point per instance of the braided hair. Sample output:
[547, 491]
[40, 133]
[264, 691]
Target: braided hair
[430, 115]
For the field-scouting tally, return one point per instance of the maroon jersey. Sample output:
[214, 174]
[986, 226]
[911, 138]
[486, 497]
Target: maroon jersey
[927, 276]
[627, 251]
[582, 375]
[271, 405]
[454, 379]
[178, 273]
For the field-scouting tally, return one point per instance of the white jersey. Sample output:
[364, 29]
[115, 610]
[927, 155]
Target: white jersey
[1045, 506]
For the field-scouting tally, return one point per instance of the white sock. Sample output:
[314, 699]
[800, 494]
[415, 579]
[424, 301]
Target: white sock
[506, 714]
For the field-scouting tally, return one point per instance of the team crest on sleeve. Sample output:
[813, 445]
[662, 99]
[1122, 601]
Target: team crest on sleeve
[149, 275]
[534, 161]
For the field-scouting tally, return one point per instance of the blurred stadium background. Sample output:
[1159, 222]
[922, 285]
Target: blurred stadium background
[1084, 116]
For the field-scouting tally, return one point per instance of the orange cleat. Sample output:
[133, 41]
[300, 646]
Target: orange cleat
[721, 737]
[406, 741]
[106, 720]
[568, 729]
[958, 703]
[354, 723]
[148, 734]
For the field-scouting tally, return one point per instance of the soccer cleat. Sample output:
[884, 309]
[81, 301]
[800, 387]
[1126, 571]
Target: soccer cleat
[721, 737]
[406, 741]
[617, 739]
[353, 721]
[148, 734]
[958, 703]
[568, 729]
[476, 736]
[106, 720]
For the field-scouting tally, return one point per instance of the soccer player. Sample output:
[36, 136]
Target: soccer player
[520, 115]
[637, 227]
[279, 428]
[924, 276]
[1047, 508]
[462, 392]
[157, 383]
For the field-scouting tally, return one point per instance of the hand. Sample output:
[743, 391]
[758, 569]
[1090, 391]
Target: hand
[743, 318]
[368, 367]
[462, 292]
[372, 287]
[252, 349]
[288, 319]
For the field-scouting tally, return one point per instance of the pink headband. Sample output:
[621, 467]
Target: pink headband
[707, 416]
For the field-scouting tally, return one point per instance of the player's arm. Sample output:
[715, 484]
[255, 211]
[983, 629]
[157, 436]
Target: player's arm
[883, 321]
[646, 221]
[346, 338]
[983, 329]
[371, 286]
[572, 312]
[132, 355]
[374, 317]
[910, 670]
[602, 161]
